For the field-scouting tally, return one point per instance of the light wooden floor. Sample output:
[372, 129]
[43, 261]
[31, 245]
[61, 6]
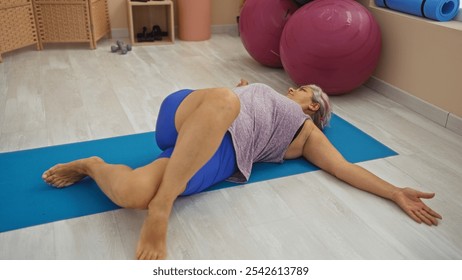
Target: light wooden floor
[70, 93]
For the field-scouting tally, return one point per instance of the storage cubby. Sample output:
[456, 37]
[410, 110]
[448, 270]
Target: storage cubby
[148, 14]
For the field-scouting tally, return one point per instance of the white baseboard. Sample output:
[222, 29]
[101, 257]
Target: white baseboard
[454, 124]
[430, 111]
[119, 33]
[227, 28]
[416, 104]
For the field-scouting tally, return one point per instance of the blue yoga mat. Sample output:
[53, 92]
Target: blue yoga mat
[440, 10]
[25, 200]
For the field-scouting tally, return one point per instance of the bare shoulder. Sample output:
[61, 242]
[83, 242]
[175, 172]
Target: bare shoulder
[320, 151]
[295, 148]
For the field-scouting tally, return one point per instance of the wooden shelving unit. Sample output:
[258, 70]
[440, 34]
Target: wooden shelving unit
[149, 14]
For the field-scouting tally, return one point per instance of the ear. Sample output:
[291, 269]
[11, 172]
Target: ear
[314, 106]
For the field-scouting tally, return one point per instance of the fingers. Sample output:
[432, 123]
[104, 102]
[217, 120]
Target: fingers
[433, 213]
[425, 195]
[427, 216]
[414, 216]
[424, 213]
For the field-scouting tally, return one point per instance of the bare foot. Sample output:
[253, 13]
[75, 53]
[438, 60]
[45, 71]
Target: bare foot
[66, 174]
[153, 240]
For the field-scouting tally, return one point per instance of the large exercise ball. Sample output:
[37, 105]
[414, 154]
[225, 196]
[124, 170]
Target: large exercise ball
[260, 26]
[332, 43]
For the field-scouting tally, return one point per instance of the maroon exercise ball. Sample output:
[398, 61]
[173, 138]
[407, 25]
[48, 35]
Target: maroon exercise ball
[260, 26]
[332, 43]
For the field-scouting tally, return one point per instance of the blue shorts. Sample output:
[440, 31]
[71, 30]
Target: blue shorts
[222, 164]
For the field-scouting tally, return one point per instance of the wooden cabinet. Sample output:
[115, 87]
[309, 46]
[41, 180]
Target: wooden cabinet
[61, 21]
[149, 14]
[17, 25]
[27, 22]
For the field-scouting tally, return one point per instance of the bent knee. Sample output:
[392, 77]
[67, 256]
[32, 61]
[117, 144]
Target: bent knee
[225, 101]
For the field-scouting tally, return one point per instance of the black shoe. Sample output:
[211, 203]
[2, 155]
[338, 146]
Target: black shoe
[142, 37]
[157, 33]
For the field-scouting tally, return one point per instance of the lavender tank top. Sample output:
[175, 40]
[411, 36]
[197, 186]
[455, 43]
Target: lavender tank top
[264, 128]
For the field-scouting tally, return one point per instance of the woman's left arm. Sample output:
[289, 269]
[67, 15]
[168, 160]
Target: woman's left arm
[319, 151]
[242, 83]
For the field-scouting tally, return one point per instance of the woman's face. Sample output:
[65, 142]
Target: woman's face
[304, 96]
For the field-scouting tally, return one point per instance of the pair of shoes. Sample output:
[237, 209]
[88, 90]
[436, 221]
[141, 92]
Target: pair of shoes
[143, 36]
[154, 35]
[157, 33]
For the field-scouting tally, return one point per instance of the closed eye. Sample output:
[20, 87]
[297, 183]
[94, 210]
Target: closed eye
[303, 89]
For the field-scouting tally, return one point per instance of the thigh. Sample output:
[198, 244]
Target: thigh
[166, 133]
[220, 167]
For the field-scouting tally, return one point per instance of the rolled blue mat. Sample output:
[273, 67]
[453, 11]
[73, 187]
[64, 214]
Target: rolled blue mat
[440, 10]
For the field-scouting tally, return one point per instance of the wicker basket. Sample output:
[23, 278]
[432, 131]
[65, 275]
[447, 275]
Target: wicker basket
[17, 25]
[61, 21]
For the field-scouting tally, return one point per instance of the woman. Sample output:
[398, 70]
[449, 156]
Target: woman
[211, 135]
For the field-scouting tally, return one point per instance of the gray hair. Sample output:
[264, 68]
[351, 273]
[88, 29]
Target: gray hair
[322, 117]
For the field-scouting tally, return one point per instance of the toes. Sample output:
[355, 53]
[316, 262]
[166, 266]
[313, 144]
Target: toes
[141, 255]
[57, 183]
[61, 175]
[61, 183]
[48, 177]
[47, 174]
[53, 180]
[150, 255]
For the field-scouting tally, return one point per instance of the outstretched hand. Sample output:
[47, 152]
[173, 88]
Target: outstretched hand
[410, 201]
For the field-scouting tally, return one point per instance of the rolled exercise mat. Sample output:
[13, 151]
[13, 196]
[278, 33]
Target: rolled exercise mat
[440, 10]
